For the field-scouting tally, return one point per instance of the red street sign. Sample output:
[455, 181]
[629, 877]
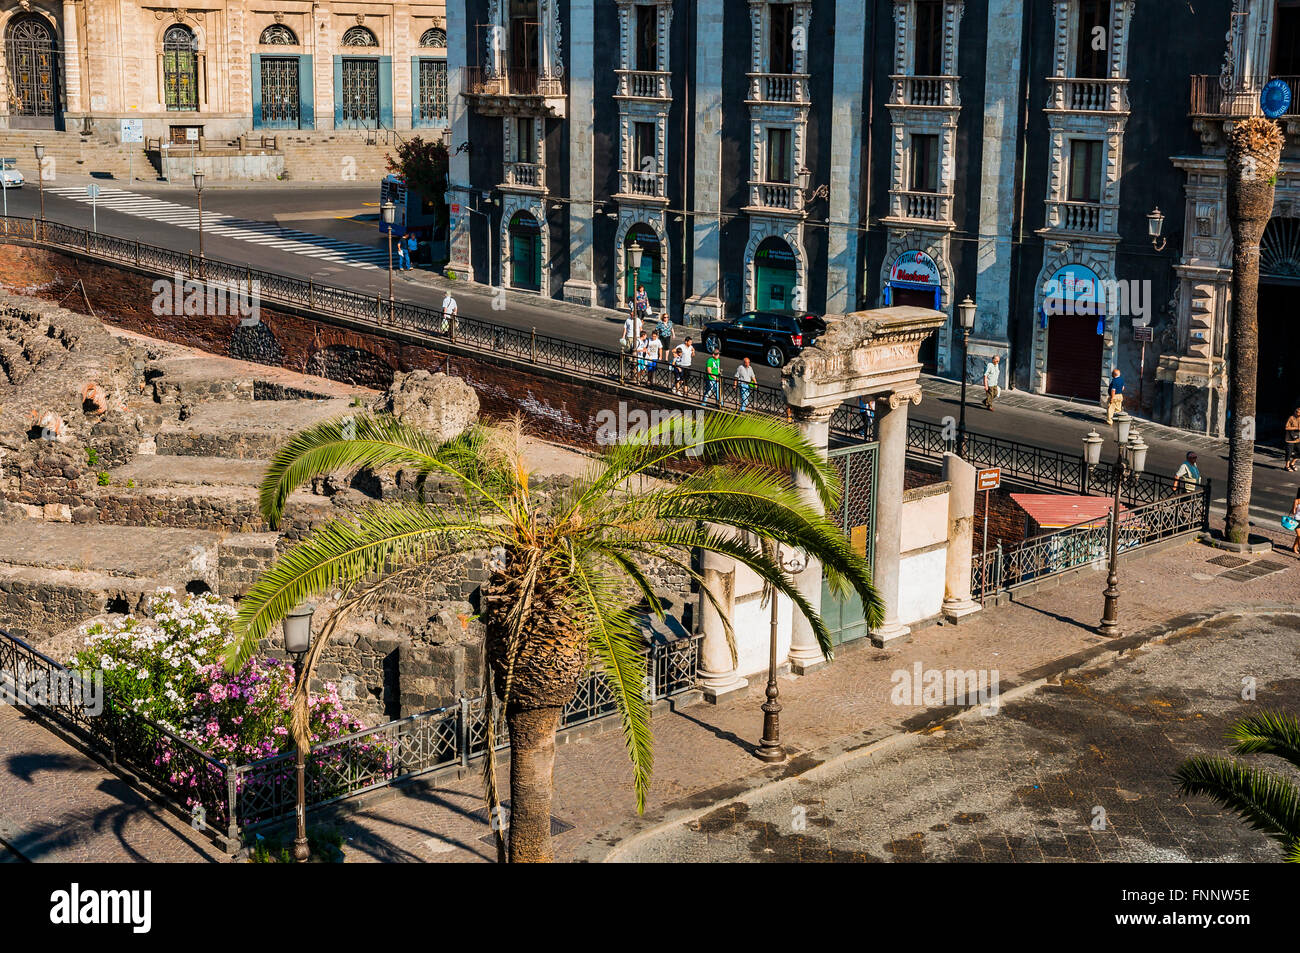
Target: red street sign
[455, 208]
[989, 479]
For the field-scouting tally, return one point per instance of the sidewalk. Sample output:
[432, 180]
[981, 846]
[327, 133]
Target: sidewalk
[704, 753]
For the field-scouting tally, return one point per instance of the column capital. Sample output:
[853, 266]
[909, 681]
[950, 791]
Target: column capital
[901, 396]
[812, 414]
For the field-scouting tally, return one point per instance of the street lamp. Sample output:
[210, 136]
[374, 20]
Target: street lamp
[40, 181]
[198, 190]
[1155, 226]
[297, 641]
[1131, 455]
[966, 315]
[770, 747]
[387, 212]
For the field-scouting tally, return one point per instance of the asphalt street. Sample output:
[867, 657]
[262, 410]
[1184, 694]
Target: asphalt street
[330, 233]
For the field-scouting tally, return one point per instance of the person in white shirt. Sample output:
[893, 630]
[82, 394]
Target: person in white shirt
[678, 373]
[992, 375]
[631, 333]
[744, 383]
[653, 348]
[688, 353]
[449, 312]
[642, 343]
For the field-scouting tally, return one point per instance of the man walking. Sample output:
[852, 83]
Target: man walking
[1115, 400]
[991, 377]
[1188, 476]
[744, 383]
[713, 369]
[449, 311]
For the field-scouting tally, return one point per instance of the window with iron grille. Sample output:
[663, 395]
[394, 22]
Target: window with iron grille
[433, 90]
[180, 68]
[359, 36]
[435, 37]
[277, 34]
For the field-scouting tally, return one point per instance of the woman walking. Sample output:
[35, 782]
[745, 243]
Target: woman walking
[1291, 434]
[1295, 521]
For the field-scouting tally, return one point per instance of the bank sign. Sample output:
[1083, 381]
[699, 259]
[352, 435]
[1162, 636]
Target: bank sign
[916, 268]
[1074, 289]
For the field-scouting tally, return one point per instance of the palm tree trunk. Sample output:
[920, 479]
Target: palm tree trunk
[532, 767]
[1254, 154]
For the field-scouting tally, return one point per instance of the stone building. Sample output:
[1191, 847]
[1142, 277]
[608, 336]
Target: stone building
[222, 68]
[845, 155]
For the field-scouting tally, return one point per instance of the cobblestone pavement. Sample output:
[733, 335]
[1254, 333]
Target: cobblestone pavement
[1076, 772]
[58, 806]
[702, 751]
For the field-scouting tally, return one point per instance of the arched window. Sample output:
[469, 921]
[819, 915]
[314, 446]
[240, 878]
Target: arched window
[435, 37]
[359, 36]
[277, 34]
[180, 68]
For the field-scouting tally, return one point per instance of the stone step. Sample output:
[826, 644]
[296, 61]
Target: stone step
[37, 603]
[242, 558]
[245, 430]
[175, 557]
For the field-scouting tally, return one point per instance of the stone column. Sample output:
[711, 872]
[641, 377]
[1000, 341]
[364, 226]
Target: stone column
[705, 301]
[717, 673]
[891, 429]
[71, 57]
[580, 288]
[848, 118]
[805, 654]
[957, 603]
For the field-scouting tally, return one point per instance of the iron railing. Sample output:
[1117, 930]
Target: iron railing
[232, 800]
[1088, 543]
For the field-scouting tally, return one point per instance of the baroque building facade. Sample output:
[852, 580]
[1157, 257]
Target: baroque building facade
[736, 155]
[222, 69]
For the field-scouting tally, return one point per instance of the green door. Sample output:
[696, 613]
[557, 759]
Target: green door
[650, 272]
[774, 276]
[856, 518]
[525, 253]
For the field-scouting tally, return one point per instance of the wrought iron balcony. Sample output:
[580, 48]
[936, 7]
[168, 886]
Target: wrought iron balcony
[514, 92]
[530, 175]
[1088, 95]
[644, 84]
[1209, 100]
[776, 195]
[791, 88]
[925, 91]
[643, 184]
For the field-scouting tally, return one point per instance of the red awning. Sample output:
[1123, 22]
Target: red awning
[1051, 511]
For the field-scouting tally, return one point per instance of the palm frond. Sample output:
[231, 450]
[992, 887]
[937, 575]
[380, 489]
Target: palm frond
[1268, 732]
[1266, 801]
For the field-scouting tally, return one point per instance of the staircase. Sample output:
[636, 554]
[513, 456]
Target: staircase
[76, 154]
[342, 155]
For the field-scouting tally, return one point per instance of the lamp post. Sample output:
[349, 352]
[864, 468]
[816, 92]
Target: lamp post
[387, 212]
[297, 640]
[966, 315]
[198, 190]
[770, 747]
[40, 181]
[635, 254]
[1155, 226]
[1131, 455]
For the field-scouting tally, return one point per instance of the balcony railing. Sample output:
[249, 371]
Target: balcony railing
[778, 88]
[528, 174]
[925, 91]
[1210, 99]
[1088, 95]
[925, 206]
[511, 82]
[776, 195]
[1083, 217]
[645, 184]
[644, 84]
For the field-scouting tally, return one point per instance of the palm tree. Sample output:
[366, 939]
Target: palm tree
[1254, 155]
[568, 570]
[1266, 801]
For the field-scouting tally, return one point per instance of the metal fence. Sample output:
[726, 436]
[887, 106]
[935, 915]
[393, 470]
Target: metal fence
[1088, 543]
[231, 800]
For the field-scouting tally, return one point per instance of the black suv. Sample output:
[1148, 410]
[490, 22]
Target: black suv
[776, 335]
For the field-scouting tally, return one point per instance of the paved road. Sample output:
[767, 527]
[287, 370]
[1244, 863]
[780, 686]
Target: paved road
[329, 234]
[1076, 772]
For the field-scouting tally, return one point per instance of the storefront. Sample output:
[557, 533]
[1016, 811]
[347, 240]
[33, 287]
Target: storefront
[914, 280]
[650, 274]
[525, 252]
[1073, 318]
[775, 276]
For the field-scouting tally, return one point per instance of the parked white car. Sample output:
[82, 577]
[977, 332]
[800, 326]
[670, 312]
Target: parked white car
[10, 177]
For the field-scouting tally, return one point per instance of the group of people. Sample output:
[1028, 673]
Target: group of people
[649, 342]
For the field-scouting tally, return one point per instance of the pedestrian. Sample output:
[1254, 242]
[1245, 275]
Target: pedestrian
[641, 303]
[1115, 396]
[678, 372]
[744, 383]
[412, 246]
[1188, 477]
[631, 333]
[688, 358]
[664, 329]
[449, 312]
[713, 371]
[867, 416]
[1291, 437]
[642, 343]
[991, 378]
[653, 349]
[401, 253]
[1295, 523]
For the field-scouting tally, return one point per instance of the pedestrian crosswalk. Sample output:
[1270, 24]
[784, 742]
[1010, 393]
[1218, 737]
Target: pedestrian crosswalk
[267, 234]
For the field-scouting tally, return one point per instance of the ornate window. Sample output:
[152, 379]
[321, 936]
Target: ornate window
[180, 68]
[433, 91]
[33, 67]
[359, 36]
[436, 37]
[277, 34]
